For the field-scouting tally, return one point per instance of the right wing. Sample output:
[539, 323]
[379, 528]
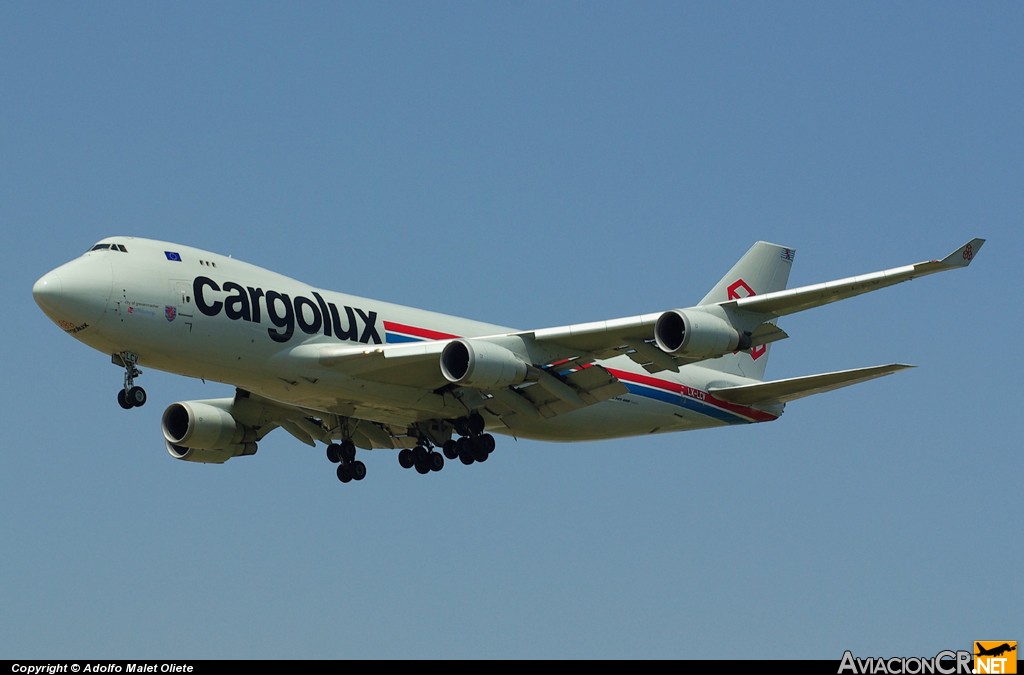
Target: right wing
[781, 303]
[550, 371]
[636, 337]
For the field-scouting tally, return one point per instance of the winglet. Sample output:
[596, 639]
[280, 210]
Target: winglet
[963, 256]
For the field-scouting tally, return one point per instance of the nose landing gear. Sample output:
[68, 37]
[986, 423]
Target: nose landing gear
[130, 396]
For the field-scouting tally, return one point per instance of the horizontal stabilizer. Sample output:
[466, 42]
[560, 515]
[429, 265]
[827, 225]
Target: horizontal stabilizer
[781, 391]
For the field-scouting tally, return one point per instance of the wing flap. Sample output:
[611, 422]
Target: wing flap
[782, 391]
[555, 394]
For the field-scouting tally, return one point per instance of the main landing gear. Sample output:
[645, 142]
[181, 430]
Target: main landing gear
[344, 455]
[130, 395]
[470, 449]
[473, 445]
[423, 457]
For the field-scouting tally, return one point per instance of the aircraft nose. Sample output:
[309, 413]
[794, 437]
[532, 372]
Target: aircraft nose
[76, 294]
[47, 293]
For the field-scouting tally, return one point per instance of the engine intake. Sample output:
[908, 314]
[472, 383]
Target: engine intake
[690, 332]
[195, 431]
[481, 364]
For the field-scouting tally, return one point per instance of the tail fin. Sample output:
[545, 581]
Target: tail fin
[763, 269]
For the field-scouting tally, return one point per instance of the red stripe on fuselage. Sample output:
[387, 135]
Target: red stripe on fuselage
[667, 385]
[425, 333]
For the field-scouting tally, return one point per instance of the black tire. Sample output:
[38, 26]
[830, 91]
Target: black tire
[487, 443]
[462, 426]
[476, 424]
[422, 468]
[122, 400]
[435, 461]
[332, 453]
[450, 449]
[466, 457]
[358, 470]
[347, 450]
[419, 453]
[344, 472]
[137, 397]
[479, 454]
[405, 458]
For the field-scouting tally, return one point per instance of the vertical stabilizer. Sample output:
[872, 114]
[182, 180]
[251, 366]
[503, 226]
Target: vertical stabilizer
[763, 269]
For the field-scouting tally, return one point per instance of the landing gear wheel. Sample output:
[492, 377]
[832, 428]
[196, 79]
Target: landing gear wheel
[450, 449]
[122, 399]
[405, 458]
[486, 441]
[344, 473]
[479, 454]
[465, 448]
[435, 461]
[422, 468]
[136, 396]
[476, 424]
[347, 450]
[357, 470]
[332, 453]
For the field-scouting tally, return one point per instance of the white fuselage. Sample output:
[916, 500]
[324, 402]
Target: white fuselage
[204, 315]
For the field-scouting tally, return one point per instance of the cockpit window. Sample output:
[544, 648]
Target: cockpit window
[100, 247]
[109, 247]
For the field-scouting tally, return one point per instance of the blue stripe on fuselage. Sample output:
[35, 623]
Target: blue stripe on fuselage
[685, 402]
[395, 337]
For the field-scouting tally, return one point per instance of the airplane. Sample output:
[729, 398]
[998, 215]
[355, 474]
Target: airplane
[354, 373]
[995, 651]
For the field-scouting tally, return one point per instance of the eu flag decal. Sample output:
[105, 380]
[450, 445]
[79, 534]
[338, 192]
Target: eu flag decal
[172, 255]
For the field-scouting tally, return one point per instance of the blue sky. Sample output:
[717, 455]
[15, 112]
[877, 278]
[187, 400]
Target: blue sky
[529, 164]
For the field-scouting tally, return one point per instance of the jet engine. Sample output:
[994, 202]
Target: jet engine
[196, 431]
[691, 332]
[481, 364]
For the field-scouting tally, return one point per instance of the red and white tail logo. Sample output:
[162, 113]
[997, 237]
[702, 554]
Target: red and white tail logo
[734, 294]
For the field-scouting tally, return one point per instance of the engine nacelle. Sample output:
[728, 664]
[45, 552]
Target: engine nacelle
[195, 431]
[481, 364]
[691, 332]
